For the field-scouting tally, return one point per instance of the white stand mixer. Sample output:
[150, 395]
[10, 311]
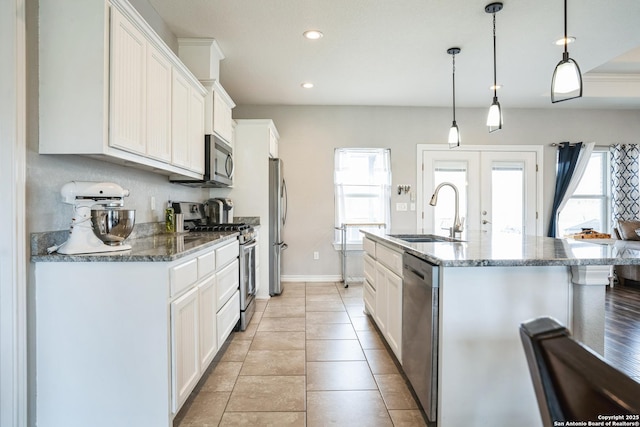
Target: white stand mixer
[84, 195]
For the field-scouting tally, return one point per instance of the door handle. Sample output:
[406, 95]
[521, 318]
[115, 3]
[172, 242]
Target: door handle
[484, 221]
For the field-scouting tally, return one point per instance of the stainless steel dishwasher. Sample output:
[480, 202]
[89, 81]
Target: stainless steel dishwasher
[420, 330]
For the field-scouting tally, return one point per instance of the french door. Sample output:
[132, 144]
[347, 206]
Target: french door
[498, 189]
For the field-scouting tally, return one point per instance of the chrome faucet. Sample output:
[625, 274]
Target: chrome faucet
[457, 225]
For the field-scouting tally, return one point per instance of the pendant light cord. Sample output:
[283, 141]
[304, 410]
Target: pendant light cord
[565, 29]
[454, 86]
[495, 79]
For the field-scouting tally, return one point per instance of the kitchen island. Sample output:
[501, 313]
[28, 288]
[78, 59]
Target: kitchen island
[122, 338]
[488, 285]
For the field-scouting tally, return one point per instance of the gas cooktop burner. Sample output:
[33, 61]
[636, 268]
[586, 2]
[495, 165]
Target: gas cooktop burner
[247, 232]
[222, 227]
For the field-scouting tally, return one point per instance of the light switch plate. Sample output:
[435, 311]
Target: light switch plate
[401, 206]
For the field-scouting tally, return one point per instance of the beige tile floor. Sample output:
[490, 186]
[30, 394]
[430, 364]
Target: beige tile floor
[309, 357]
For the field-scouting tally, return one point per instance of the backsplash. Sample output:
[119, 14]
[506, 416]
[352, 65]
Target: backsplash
[48, 173]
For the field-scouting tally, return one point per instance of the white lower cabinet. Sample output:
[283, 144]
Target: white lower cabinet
[227, 300]
[208, 329]
[394, 313]
[228, 316]
[131, 342]
[202, 318]
[383, 291]
[369, 294]
[228, 279]
[381, 312]
[194, 338]
[185, 357]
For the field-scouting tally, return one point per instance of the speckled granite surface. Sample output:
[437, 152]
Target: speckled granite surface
[483, 249]
[149, 243]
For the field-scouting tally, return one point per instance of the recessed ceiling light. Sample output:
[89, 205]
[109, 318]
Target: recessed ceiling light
[307, 85]
[313, 34]
[560, 42]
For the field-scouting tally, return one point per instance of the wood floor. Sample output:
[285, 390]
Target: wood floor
[622, 330]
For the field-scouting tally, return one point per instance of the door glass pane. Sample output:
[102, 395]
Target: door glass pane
[507, 197]
[444, 212]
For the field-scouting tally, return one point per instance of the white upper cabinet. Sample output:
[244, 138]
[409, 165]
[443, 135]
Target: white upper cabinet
[222, 120]
[203, 56]
[218, 111]
[180, 120]
[196, 132]
[128, 85]
[187, 125]
[159, 75]
[106, 89]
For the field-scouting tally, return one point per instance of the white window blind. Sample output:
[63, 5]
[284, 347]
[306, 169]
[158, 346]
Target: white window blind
[362, 179]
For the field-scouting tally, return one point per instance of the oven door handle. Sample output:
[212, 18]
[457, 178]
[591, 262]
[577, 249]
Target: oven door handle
[249, 246]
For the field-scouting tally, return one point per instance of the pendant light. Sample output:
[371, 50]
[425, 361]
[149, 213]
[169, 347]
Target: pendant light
[454, 132]
[567, 80]
[494, 118]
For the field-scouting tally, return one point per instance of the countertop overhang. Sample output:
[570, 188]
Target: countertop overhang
[482, 249]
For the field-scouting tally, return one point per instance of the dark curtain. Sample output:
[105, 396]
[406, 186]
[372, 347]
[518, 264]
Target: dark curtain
[567, 159]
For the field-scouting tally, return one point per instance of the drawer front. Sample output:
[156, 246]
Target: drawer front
[227, 317]
[227, 253]
[369, 247]
[228, 281]
[182, 276]
[369, 294]
[206, 264]
[390, 258]
[370, 270]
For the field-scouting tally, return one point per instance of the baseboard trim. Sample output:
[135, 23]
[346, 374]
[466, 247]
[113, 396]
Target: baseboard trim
[327, 278]
[304, 278]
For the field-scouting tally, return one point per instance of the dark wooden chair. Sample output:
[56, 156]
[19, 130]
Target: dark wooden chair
[571, 382]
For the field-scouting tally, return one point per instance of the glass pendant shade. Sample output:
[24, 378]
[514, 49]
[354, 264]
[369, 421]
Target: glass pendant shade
[567, 80]
[454, 136]
[494, 118]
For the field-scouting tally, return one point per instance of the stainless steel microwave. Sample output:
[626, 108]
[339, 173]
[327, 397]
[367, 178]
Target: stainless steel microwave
[218, 165]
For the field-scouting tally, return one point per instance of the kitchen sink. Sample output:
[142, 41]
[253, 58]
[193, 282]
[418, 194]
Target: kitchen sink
[423, 238]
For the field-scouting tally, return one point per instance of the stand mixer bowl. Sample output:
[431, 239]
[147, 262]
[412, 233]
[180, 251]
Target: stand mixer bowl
[112, 226]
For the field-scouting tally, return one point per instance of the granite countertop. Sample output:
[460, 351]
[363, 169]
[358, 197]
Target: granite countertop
[158, 248]
[481, 249]
[149, 243]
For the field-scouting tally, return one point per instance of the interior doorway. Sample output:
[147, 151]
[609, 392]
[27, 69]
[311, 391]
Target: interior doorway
[500, 188]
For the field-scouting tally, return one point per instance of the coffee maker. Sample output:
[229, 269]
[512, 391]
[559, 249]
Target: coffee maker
[219, 211]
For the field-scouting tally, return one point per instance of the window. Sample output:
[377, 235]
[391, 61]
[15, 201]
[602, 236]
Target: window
[362, 179]
[589, 205]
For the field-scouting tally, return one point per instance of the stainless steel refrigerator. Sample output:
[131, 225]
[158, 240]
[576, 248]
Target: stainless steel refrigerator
[277, 220]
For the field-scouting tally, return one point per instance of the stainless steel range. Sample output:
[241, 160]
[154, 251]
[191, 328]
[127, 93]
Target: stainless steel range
[196, 221]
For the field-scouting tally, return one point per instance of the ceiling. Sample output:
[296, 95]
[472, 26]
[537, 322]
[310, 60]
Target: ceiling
[394, 52]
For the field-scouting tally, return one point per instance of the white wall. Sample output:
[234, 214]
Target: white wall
[309, 135]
